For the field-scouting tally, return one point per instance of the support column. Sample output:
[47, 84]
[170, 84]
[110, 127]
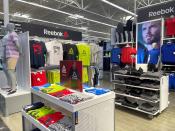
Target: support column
[6, 11]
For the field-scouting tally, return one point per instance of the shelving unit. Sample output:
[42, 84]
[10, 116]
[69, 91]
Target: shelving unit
[162, 92]
[137, 109]
[87, 115]
[138, 98]
[141, 87]
[142, 77]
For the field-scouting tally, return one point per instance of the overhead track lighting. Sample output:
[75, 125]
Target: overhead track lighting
[120, 8]
[59, 11]
[58, 24]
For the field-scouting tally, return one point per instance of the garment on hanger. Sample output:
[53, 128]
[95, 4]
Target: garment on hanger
[170, 26]
[128, 55]
[70, 52]
[168, 53]
[54, 52]
[113, 36]
[116, 55]
[84, 54]
[37, 53]
[38, 78]
[85, 75]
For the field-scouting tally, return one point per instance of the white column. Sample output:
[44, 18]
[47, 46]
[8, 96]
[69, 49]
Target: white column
[6, 11]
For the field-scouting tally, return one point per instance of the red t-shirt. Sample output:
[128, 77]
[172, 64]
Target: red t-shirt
[128, 55]
[170, 26]
[38, 78]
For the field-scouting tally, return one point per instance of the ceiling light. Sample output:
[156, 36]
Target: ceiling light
[120, 8]
[48, 22]
[21, 15]
[84, 28]
[90, 36]
[59, 11]
[76, 16]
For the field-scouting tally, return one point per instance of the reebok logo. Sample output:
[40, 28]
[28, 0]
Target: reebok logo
[64, 69]
[74, 76]
[162, 12]
[71, 52]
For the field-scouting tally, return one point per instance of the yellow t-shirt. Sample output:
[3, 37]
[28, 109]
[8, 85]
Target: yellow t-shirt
[85, 75]
[84, 53]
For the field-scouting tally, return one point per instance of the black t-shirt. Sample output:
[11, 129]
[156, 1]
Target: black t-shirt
[37, 52]
[70, 52]
[120, 28]
[129, 25]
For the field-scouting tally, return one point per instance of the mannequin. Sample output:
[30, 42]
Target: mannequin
[12, 52]
[154, 58]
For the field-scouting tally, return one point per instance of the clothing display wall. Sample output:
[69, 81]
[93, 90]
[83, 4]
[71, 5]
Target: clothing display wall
[123, 33]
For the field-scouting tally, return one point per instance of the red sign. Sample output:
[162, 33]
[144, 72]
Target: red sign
[71, 74]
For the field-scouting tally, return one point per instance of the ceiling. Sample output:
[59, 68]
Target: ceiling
[93, 10]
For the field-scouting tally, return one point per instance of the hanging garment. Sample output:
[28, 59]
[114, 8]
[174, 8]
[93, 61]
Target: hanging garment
[54, 52]
[70, 52]
[154, 56]
[113, 36]
[172, 81]
[116, 55]
[168, 53]
[37, 53]
[53, 76]
[85, 75]
[84, 53]
[128, 55]
[170, 26]
[38, 78]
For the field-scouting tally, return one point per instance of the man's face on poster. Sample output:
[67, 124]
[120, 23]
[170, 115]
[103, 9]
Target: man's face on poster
[151, 32]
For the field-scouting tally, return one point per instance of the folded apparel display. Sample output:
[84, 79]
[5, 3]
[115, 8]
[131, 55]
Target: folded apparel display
[38, 88]
[148, 107]
[61, 93]
[52, 89]
[38, 78]
[75, 98]
[133, 71]
[150, 95]
[172, 81]
[120, 99]
[133, 81]
[33, 106]
[64, 124]
[151, 74]
[135, 92]
[130, 104]
[50, 119]
[97, 91]
[38, 113]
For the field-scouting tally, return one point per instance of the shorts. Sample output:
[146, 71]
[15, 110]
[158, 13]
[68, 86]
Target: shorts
[11, 63]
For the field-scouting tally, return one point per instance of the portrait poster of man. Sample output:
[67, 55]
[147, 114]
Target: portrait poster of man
[148, 39]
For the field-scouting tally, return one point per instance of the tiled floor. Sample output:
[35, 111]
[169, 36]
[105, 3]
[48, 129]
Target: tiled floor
[126, 120]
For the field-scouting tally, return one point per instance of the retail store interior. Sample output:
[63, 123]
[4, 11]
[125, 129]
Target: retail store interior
[87, 65]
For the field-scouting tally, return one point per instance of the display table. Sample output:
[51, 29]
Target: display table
[95, 114]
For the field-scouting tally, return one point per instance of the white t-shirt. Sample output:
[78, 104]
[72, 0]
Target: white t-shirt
[94, 53]
[54, 52]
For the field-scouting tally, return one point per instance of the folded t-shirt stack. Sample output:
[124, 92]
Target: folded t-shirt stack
[75, 98]
[148, 107]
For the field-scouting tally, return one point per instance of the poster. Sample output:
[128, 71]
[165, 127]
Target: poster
[71, 74]
[148, 38]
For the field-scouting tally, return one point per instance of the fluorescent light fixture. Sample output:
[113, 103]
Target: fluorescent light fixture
[84, 28]
[120, 8]
[59, 11]
[58, 24]
[90, 36]
[17, 14]
[76, 16]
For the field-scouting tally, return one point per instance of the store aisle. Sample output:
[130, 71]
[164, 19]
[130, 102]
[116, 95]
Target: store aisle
[126, 120]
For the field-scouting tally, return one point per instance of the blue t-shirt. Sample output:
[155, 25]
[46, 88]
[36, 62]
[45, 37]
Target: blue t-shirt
[115, 55]
[154, 56]
[168, 53]
[172, 81]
